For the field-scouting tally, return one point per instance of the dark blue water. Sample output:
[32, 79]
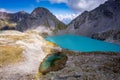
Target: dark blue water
[82, 44]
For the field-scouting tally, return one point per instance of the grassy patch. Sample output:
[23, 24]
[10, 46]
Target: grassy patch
[10, 54]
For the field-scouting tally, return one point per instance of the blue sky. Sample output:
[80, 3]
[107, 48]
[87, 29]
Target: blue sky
[65, 10]
[29, 5]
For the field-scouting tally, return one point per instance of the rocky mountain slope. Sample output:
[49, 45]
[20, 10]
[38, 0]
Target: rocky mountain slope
[9, 21]
[22, 21]
[40, 17]
[102, 23]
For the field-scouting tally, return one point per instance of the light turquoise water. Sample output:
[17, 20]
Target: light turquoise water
[82, 44]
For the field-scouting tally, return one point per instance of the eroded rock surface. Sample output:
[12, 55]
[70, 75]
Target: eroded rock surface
[88, 66]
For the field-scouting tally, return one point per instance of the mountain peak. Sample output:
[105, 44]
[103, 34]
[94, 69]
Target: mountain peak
[40, 8]
[40, 11]
[38, 18]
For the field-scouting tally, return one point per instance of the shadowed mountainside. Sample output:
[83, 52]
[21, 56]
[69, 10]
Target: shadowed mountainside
[22, 21]
[102, 23]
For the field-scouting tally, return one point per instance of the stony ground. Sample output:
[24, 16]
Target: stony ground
[88, 66]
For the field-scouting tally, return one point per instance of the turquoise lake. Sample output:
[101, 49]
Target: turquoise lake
[82, 44]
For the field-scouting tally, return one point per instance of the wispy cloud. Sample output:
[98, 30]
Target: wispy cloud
[78, 6]
[4, 10]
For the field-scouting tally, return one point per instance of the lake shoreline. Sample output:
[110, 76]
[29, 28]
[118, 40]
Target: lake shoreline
[82, 44]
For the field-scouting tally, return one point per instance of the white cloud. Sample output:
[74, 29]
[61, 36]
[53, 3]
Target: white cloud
[4, 10]
[80, 5]
[66, 18]
[77, 5]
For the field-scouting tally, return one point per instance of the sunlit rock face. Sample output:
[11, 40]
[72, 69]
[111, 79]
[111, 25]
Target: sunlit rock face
[22, 53]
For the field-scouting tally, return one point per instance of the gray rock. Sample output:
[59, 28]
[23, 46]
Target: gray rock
[88, 66]
[8, 19]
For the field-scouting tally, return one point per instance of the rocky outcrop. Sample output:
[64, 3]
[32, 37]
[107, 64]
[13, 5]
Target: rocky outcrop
[110, 36]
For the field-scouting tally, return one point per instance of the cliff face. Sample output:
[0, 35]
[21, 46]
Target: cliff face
[102, 19]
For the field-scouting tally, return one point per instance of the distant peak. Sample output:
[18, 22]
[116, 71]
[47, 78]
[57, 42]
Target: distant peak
[22, 12]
